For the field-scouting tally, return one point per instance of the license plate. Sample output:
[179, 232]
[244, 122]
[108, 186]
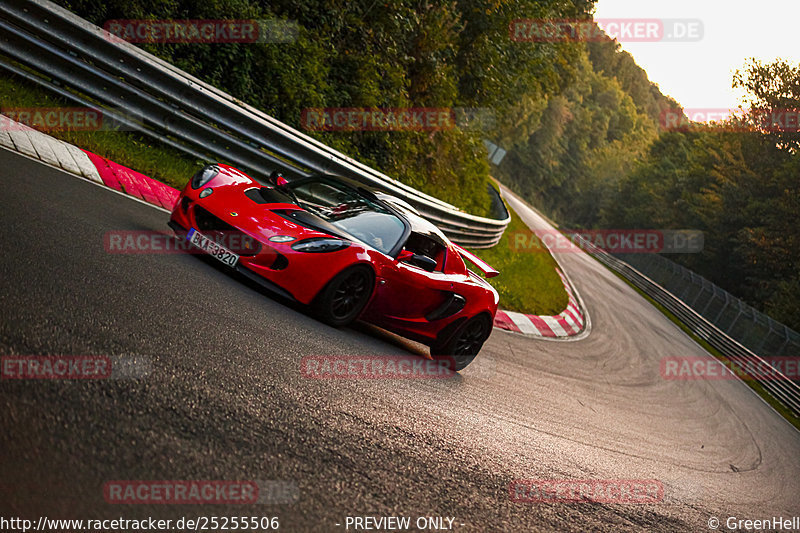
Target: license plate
[218, 252]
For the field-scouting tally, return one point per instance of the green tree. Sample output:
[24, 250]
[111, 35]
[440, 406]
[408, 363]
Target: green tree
[773, 98]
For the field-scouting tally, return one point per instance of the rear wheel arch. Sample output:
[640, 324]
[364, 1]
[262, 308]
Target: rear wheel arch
[464, 344]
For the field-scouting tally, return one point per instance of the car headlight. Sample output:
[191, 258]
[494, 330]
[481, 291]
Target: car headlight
[317, 245]
[204, 175]
[281, 238]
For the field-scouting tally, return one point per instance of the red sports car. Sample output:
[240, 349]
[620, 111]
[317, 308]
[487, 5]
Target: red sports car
[347, 251]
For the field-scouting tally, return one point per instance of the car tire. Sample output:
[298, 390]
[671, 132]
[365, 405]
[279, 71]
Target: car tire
[344, 297]
[464, 344]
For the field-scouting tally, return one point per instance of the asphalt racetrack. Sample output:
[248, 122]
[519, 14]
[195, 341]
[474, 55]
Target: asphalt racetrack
[225, 399]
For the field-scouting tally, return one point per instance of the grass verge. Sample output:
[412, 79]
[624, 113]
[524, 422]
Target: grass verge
[757, 387]
[528, 282]
[124, 147]
[169, 165]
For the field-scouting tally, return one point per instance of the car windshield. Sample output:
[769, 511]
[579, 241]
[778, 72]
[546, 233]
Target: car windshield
[350, 211]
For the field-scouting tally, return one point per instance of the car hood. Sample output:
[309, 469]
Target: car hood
[230, 203]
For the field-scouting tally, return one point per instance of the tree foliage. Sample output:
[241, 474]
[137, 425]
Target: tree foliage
[741, 186]
[588, 136]
[581, 121]
[369, 53]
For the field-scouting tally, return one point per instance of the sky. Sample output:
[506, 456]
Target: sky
[698, 74]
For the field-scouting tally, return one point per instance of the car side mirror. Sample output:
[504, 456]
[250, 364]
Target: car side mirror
[422, 261]
[277, 179]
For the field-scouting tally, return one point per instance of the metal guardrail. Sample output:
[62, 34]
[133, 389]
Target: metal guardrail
[783, 389]
[65, 52]
[756, 331]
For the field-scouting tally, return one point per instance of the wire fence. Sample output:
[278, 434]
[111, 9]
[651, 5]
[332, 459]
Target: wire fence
[750, 327]
[778, 385]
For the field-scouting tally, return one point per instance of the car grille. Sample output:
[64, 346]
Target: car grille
[224, 234]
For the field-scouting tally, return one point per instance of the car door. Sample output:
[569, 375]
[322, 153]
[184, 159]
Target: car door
[406, 292]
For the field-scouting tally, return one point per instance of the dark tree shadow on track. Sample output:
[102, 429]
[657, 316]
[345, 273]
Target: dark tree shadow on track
[362, 327]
